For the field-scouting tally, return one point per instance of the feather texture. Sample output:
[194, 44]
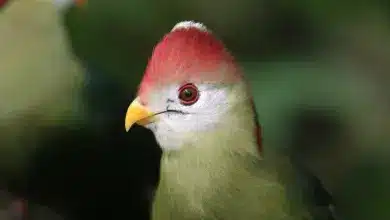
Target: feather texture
[224, 176]
[188, 53]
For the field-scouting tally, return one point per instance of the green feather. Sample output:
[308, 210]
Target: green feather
[222, 176]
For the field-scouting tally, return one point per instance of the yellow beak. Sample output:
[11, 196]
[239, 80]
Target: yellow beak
[138, 114]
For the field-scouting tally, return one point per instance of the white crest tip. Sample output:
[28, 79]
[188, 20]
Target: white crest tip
[190, 24]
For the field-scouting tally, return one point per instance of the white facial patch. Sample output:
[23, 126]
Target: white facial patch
[173, 130]
[190, 24]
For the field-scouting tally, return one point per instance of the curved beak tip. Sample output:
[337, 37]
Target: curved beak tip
[127, 127]
[137, 114]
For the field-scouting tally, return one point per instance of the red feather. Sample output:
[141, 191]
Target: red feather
[188, 55]
[3, 3]
[191, 54]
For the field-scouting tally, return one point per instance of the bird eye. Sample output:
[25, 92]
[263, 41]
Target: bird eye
[188, 94]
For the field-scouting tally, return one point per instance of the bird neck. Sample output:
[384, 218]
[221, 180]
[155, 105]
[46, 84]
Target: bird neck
[194, 171]
[234, 135]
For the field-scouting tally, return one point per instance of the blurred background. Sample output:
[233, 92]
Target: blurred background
[320, 73]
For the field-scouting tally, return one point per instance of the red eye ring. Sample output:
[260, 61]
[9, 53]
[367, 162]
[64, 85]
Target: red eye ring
[188, 94]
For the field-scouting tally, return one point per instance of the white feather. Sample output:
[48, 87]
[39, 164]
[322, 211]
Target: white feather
[213, 109]
[190, 24]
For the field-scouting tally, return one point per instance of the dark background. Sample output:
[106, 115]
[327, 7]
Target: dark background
[319, 72]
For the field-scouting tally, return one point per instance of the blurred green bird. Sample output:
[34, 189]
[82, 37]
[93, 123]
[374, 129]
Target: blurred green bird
[52, 121]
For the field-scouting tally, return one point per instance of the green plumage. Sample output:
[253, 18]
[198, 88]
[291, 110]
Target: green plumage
[40, 80]
[247, 189]
[223, 176]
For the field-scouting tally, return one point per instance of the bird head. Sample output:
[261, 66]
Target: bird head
[191, 88]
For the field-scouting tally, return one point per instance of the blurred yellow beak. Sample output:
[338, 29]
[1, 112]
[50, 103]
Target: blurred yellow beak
[138, 114]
